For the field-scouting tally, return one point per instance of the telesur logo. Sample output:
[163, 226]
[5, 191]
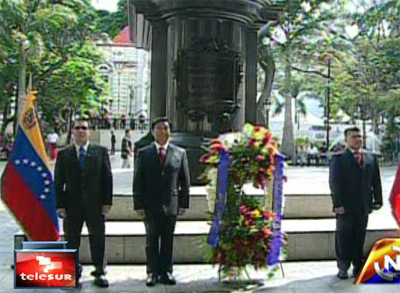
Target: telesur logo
[387, 263]
[47, 265]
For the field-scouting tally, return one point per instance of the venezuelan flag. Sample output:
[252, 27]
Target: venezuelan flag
[27, 186]
[395, 197]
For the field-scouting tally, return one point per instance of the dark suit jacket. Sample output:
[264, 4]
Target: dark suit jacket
[86, 189]
[353, 187]
[157, 187]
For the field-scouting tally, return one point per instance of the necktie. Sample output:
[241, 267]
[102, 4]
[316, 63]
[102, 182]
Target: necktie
[162, 155]
[82, 155]
[359, 157]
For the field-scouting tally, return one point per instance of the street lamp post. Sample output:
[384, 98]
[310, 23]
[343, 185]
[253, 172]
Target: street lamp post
[131, 96]
[119, 90]
[328, 101]
[118, 67]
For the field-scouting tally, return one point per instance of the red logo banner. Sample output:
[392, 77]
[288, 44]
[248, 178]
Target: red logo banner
[46, 268]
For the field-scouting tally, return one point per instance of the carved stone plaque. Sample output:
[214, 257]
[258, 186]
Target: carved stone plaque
[208, 80]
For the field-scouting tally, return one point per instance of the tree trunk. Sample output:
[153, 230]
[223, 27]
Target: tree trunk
[375, 127]
[288, 136]
[69, 125]
[269, 72]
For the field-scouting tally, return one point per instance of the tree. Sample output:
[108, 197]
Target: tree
[267, 65]
[56, 35]
[391, 140]
[27, 25]
[300, 23]
[113, 22]
[75, 85]
[370, 70]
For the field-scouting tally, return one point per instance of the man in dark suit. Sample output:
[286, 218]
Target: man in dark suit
[356, 190]
[83, 182]
[161, 192]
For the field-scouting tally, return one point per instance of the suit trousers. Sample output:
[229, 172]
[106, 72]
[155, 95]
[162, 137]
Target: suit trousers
[96, 227]
[349, 242]
[159, 241]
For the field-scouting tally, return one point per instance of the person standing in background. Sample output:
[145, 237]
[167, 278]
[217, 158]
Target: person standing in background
[126, 149]
[52, 139]
[113, 142]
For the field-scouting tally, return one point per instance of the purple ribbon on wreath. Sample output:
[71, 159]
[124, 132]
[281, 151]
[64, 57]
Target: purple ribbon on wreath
[277, 238]
[222, 188]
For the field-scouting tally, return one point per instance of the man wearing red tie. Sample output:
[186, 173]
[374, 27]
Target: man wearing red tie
[161, 192]
[356, 190]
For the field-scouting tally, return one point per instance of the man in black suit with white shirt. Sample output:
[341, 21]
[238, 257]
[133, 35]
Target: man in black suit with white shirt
[83, 183]
[161, 191]
[356, 190]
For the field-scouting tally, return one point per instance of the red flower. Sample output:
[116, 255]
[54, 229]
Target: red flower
[272, 159]
[263, 182]
[267, 138]
[260, 158]
[243, 209]
[267, 232]
[259, 235]
[204, 158]
[252, 141]
[215, 141]
[248, 222]
[262, 171]
[238, 243]
[257, 128]
[218, 147]
[269, 215]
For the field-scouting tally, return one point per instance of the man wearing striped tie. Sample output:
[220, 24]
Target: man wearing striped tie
[161, 192]
[84, 189]
[356, 190]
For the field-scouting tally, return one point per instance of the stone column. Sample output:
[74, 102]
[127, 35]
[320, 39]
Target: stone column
[158, 90]
[251, 75]
[205, 68]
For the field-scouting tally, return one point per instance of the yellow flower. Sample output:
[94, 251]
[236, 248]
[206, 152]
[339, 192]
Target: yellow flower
[213, 159]
[248, 129]
[258, 135]
[255, 214]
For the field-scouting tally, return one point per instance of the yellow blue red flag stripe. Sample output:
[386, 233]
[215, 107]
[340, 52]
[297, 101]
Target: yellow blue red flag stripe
[27, 184]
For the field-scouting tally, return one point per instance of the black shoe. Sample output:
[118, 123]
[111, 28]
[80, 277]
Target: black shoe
[356, 271]
[101, 281]
[342, 274]
[167, 279]
[95, 273]
[151, 279]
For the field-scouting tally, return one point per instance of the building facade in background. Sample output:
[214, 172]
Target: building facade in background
[126, 68]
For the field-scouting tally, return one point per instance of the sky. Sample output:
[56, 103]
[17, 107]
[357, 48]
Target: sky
[110, 5]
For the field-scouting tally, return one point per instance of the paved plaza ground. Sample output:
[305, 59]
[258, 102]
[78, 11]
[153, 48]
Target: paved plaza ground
[299, 276]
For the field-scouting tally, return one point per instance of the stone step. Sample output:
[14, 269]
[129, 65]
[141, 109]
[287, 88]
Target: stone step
[297, 206]
[308, 239]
